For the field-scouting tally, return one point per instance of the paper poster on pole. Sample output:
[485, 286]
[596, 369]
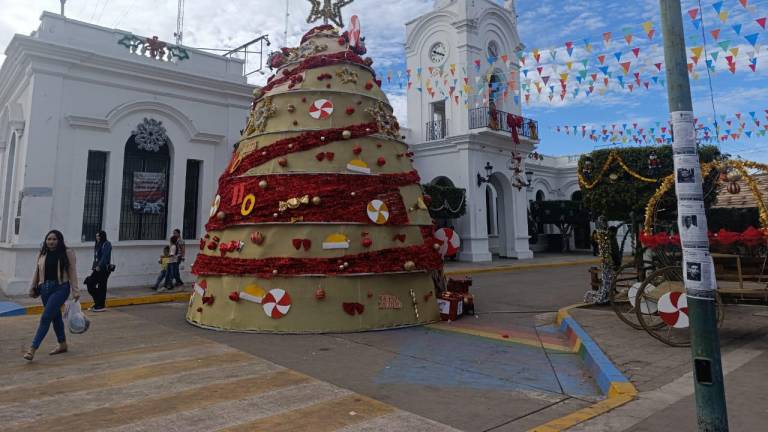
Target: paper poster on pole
[684, 141]
[692, 223]
[698, 272]
[687, 177]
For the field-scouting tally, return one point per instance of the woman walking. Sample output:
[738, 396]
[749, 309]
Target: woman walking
[97, 281]
[55, 278]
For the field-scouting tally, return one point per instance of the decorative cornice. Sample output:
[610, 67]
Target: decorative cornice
[106, 123]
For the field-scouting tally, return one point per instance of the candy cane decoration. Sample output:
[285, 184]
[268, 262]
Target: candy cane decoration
[354, 31]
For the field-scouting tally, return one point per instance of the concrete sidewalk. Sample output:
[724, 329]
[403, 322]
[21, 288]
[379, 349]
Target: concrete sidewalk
[663, 374]
[124, 296]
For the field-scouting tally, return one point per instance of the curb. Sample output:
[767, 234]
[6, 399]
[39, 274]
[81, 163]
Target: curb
[14, 309]
[610, 380]
[516, 267]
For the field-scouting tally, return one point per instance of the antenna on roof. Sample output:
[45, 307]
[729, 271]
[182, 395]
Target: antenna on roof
[62, 6]
[179, 22]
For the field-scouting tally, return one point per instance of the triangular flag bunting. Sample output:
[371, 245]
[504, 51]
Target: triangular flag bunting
[737, 28]
[693, 13]
[636, 52]
[625, 66]
[761, 22]
[717, 6]
[723, 16]
[715, 33]
[752, 38]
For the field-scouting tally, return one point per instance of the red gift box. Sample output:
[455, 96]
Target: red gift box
[451, 306]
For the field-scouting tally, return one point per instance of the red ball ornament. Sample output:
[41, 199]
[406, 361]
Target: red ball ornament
[320, 156]
[342, 41]
[367, 242]
[295, 123]
[257, 237]
[234, 296]
[328, 85]
[199, 309]
[378, 82]
[212, 245]
[350, 110]
[320, 294]
[283, 162]
[427, 199]
[304, 99]
[368, 85]
[381, 161]
[357, 149]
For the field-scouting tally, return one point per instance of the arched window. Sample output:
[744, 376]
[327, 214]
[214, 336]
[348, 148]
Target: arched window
[540, 195]
[144, 204]
[496, 86]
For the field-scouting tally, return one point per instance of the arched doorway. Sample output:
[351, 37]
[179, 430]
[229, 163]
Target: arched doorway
[581, 232]
[146, 170]
[500, 216]
[9, 169]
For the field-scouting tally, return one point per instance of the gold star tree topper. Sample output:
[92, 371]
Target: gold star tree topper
[330, 10]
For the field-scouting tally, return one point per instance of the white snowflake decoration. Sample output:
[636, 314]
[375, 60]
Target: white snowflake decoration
[150, 135]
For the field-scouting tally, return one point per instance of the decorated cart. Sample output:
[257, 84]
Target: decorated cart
[654, 298]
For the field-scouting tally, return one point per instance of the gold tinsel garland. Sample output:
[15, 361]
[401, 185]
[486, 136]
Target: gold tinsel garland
[613, 156]
[740, 166]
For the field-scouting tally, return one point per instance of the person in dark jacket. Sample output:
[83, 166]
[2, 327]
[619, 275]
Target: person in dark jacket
[97, 281]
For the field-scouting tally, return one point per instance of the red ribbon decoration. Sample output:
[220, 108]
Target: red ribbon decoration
[302, 142]
[514, 122]
[311, 63]
[336, 201]
[383, 261]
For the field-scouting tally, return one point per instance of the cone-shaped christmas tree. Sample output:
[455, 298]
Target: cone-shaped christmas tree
[319, 223]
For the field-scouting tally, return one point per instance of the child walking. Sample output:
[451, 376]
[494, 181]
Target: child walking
[164, 258]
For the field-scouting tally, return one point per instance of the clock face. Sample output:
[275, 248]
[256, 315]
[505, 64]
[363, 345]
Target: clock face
[493, 49]
[438, 53]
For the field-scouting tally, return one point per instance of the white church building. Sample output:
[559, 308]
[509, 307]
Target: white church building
[470, 145]
[104, 129]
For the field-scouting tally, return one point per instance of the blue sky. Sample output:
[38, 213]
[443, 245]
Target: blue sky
[543, 24]
[742, 92]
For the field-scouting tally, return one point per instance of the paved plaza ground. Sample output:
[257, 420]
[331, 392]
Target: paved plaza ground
[144, 368]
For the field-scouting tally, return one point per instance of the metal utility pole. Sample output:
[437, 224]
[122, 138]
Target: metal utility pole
[62, 6]
[698, 269]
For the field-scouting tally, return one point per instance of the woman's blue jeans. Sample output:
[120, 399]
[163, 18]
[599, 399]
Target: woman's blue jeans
[53, 295]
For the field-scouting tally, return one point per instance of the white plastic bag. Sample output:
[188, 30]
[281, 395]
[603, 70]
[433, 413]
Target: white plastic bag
[77, 322]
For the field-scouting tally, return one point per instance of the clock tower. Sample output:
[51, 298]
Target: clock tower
[463, 103]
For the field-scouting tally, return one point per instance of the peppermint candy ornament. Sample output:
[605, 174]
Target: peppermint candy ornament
[321, 109]
[378, 212]
[449, 242]
[673, 309]
[276, 303]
